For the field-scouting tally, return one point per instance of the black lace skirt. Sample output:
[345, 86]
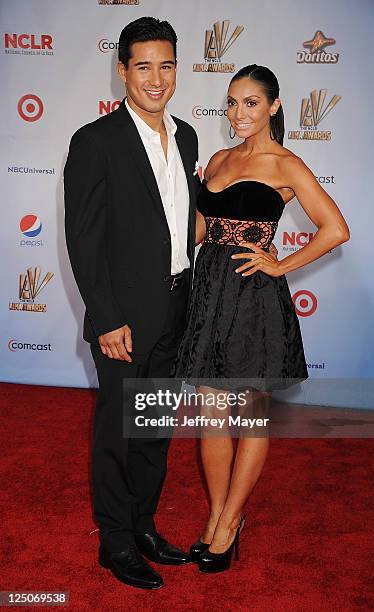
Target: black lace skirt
[241, 330]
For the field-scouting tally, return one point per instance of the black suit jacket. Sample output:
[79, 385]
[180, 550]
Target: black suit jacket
[116, 230]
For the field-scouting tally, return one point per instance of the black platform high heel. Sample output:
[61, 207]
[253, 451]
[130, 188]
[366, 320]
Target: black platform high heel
[219, 562]
[197, 549]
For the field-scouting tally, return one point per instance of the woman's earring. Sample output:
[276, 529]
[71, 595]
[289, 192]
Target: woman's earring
[232, 136]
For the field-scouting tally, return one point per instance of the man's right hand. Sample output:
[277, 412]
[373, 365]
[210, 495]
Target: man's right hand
[117, 344]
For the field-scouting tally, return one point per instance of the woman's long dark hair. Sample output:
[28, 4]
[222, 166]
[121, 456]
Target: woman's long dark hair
[269, 82]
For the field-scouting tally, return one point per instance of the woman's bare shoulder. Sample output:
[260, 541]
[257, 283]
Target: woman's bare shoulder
[215, 161]
[284, 154]
[287, 161]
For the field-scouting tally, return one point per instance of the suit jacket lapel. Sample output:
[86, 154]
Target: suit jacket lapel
[141, 159]
[191, 189]
[186, 163]
[139, 154]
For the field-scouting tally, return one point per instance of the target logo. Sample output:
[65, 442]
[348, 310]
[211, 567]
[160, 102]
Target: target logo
[30, 107]
[305, 303]
[30, 226]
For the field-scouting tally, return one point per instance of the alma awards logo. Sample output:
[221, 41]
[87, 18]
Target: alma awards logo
[119, 2]
[30, 286]
[216, 45]
[317, 53]
[313, 110]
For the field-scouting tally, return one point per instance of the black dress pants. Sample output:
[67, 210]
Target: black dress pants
[128, 472]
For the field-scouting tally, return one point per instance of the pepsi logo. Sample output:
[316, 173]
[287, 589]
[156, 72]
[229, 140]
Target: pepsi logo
[30, 107]
[305, 303]
[30, 226]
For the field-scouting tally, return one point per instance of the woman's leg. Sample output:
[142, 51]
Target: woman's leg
[249, 461]
[217, 455]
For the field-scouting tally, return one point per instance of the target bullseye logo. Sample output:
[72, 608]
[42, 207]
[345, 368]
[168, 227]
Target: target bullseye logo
[30, 226]
[30, 107]
[305, 303]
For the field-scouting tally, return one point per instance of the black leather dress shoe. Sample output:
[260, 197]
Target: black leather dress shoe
[129, 567]
[197, 549]
[157, 549]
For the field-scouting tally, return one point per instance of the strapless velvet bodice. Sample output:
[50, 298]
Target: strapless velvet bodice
[246, 211]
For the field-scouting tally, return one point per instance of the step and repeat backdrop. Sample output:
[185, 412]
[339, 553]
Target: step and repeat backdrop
[59, 71]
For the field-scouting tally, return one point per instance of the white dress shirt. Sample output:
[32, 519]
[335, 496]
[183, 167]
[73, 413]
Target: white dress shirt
[172, 184]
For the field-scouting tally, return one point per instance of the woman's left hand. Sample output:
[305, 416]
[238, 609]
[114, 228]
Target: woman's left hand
[259, 260]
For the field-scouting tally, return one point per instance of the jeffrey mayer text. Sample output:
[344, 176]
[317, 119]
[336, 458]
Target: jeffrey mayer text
[199, 421]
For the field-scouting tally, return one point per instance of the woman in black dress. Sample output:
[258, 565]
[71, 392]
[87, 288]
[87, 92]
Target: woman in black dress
[242, 327]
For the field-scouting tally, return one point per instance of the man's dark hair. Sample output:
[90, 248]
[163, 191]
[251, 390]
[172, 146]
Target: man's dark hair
[142, 30]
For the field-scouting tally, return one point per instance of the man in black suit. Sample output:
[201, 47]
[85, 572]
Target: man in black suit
[130, 191]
